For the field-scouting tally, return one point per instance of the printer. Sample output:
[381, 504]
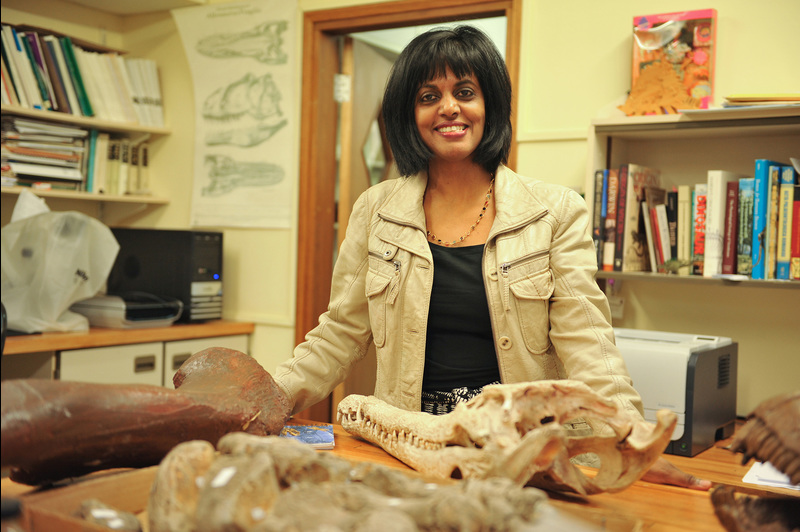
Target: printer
[691, 375]
[135, 310]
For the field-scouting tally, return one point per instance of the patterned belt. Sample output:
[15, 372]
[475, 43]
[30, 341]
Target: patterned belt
[439, 402]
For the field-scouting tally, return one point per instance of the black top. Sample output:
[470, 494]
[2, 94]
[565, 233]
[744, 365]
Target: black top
[459, 349]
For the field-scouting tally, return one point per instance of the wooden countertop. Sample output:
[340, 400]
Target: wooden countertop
[642, 506]
[103, 337]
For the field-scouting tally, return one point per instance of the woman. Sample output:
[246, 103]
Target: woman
[462, 272]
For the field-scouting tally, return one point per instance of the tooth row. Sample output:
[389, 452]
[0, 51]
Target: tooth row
[375, 432]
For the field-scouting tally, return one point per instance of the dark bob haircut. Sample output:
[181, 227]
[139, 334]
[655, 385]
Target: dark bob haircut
[466, 50]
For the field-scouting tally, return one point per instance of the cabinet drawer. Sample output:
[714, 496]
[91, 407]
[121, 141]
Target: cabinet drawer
[176, 353]
[124, 364]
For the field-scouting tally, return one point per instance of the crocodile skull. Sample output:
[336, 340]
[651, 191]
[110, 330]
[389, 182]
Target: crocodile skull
[516, 431]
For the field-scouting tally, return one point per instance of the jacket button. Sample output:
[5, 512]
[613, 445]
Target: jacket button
[387, 252]
[505, 342]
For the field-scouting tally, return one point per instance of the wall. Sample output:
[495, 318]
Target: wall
[571, 68]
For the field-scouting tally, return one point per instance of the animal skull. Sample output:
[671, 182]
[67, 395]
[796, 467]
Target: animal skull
[516, 431]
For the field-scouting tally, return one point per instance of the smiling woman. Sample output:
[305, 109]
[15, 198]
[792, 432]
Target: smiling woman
[452, 303]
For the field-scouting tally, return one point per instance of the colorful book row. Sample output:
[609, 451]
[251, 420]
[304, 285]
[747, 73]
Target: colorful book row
[731, 224]
[50, 72]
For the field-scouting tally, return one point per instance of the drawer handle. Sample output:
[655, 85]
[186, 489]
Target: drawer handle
[144, 363]
[178, 360]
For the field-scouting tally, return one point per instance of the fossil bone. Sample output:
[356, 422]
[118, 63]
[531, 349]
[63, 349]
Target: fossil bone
[267, 484]
[516, 431]
[772, 434]
[101, 426]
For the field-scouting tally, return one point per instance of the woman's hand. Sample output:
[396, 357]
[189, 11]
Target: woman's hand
[664, 472]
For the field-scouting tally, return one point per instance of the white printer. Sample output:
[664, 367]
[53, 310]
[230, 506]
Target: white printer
[692, 375]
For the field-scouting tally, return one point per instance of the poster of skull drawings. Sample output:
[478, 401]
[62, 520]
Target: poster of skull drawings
[243, 64]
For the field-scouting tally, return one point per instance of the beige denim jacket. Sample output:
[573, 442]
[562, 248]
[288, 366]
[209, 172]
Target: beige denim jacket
[549, 317]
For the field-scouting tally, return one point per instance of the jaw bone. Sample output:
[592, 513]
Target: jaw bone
[516, 431]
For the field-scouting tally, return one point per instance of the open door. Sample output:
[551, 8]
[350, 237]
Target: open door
[325, 54]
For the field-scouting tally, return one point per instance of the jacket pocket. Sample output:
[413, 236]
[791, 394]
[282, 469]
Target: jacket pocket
[531, 296]
[381, 289]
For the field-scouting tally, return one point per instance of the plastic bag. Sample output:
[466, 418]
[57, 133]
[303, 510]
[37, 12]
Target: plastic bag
[49, 261]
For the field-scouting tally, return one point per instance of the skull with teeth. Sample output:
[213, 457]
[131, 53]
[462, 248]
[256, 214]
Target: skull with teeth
[517, 431]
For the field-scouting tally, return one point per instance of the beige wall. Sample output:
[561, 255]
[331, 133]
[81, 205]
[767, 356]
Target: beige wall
[574, 62]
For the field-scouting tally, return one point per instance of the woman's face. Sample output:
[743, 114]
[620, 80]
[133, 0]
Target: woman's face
[451, 115]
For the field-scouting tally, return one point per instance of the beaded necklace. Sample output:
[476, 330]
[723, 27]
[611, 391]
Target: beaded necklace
[439, 241]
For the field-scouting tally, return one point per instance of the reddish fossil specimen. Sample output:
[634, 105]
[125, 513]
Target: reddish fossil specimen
[53, 430]
[772, 434]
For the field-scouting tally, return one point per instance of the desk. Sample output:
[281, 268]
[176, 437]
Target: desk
[656, 508]
[103, 337]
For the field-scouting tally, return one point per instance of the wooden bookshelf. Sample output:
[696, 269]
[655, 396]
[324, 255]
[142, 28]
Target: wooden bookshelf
[685, 146]
[126, 128]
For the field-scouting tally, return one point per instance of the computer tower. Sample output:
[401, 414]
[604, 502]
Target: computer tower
[182, 264]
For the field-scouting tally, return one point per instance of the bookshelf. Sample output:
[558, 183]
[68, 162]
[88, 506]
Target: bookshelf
[684, 147]
[119, 129]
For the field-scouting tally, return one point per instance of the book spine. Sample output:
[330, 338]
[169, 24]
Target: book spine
[684, 229]
[659, 256]
[36, 68]
[672, 218]
[794, 265]
[56, 81]
[11, 67]
[611, 221]
[699, 229]
[622, 200]
[648, 228]
[75, 74]
[63, 72]
[744, 246]
[730, 237]
[761, 195]
[785, 221]
[772, 222]
[597, 216]
[25, 69]
[663, 231]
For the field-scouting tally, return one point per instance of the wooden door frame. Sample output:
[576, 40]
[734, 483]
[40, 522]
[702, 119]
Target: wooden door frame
[316, 218]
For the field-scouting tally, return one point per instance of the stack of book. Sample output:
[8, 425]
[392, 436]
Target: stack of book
[43, 155]
[48, 71]
[731, 225]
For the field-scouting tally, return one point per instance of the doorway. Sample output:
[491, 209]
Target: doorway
[322, 61]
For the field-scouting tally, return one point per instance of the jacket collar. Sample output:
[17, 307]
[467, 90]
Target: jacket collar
[515, 202]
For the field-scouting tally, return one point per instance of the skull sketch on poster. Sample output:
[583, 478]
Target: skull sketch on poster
[243, 62]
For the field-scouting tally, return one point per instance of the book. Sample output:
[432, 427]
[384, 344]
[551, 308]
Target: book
[318, 436]
[672, 217]
[144, 168]
[112, 168]
[23, 66]
[651, 243]
[794, 265]
[45, 171]
[716, 192]
[699, 228]
[730, 234]
[611, 220]
[744, 246]
[100, 164]
[786, 223]
[684, 229]
[54, 75]
[75, 75]
[123, 172]
[761, 200]
[771, 237]
[630, 254]
[663, 233]
[11, 65]
[654, 196]
[30, 44]
[597, 215]
[63, 72]
[673, 62]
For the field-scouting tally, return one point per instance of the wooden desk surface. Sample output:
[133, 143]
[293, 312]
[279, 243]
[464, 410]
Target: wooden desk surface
[102, 337]
[643, 506]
